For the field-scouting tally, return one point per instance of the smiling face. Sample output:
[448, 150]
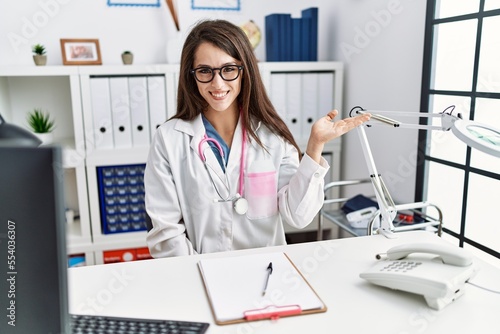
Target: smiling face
[220, 95]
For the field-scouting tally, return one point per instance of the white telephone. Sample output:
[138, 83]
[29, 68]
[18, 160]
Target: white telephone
[440, 279]
[361, 218]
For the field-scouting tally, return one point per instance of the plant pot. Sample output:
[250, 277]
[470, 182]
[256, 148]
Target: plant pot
[40, 60]
[46, 138]
[127, 58]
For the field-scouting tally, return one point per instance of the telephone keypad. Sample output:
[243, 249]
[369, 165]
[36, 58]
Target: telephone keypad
[400, 266]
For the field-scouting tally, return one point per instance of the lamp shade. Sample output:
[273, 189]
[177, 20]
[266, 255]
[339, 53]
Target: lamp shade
[482, 137]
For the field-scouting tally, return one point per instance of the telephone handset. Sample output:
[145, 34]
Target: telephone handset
[440, 279]
[449, 254]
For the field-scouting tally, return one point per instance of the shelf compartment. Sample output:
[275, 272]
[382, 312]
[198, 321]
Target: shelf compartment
[121, 198]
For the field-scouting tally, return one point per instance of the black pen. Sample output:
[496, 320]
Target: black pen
[269, 272]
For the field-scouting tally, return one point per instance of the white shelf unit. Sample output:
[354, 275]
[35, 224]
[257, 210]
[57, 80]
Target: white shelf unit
[115, 156]
[55, 89]
[65, 91]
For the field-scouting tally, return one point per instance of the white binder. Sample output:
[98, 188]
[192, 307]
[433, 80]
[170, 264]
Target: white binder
[120, 111]
[138, 97]
[294, 103]
[101, 113]
[278, 93]
[309, 108]
[325, 92]
[157, 102]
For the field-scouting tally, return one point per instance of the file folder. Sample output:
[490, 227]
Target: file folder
[325, 91]
[138, 92]
[312, 40]
[309, 106]
[120, 111]
[278, 93]
[294, 103]
[296, 28]
[273, 39]
[101, 113]
[234, 286]
[157, 102]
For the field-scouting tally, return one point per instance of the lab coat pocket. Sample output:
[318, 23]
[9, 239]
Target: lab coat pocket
[261, 193]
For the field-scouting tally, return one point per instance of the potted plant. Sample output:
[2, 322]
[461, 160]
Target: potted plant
[39, 54]
[127, 57]
[41, 124]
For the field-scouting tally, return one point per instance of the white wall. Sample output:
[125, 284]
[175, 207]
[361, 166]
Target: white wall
[380, 42]
[143, 30]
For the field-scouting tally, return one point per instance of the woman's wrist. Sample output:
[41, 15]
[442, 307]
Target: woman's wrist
[314, 150]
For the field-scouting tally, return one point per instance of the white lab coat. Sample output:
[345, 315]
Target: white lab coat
[180, 195]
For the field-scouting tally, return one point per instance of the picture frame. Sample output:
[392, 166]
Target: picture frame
[81, 52]
[134, 3]
[231, 5]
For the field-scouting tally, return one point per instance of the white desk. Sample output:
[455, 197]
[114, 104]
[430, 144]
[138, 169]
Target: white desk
[173, 289]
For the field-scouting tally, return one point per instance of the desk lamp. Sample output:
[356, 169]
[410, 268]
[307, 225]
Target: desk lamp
[11, 134]
[476, 135]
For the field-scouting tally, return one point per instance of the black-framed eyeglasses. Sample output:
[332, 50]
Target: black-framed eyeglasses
[206, 74]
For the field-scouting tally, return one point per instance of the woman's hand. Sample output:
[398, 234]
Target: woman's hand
[325, 129]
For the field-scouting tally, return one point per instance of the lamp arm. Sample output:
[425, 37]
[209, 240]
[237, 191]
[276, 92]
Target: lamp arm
[378, 118]
[384, 199]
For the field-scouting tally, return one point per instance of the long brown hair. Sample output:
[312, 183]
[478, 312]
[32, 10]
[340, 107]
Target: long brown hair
[253, 98]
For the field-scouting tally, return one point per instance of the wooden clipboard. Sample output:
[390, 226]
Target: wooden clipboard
[234, 287]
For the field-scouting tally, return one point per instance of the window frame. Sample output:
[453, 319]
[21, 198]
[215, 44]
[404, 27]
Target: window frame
[426, 97]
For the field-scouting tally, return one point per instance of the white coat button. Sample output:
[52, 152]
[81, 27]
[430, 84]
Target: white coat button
[316, 175]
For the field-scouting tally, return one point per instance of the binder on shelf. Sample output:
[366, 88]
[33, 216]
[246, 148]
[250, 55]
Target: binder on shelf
[157, 102]
[120, 111]
[292, 39]
[325, 91]
[139, 113]
[312, 14]
[278, 93]
[273, 38]
[286, 37]
[296, 39]
[309, 108]
[101, 113]
[293, 116]
[306, 37]
[234, 287]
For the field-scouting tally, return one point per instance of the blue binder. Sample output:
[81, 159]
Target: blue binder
[286, 37]
[296, 39]
[306, 39]
[272, 37]
[312, 13]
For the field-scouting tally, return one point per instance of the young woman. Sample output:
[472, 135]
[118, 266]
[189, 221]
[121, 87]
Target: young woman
[225, 172]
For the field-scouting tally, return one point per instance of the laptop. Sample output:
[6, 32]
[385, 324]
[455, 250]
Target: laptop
[33, 258]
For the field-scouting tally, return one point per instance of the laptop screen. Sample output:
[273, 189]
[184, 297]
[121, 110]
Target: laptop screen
[33, 277]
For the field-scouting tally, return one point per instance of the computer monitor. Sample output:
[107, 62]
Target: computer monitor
[33, 281]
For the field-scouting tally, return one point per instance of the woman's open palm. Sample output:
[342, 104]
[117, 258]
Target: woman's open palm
[326, 129]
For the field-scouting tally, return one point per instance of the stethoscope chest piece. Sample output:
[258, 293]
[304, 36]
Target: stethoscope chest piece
[240, 205]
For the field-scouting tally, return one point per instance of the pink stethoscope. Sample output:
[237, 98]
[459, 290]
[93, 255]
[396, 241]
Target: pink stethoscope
[240, 204]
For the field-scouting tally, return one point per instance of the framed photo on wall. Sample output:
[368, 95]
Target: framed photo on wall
[137, 3]
[81, 52]
[216, 5]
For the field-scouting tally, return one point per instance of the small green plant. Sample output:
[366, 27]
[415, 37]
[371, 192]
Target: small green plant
[39, 49]
[40, 122]
[126, 53]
